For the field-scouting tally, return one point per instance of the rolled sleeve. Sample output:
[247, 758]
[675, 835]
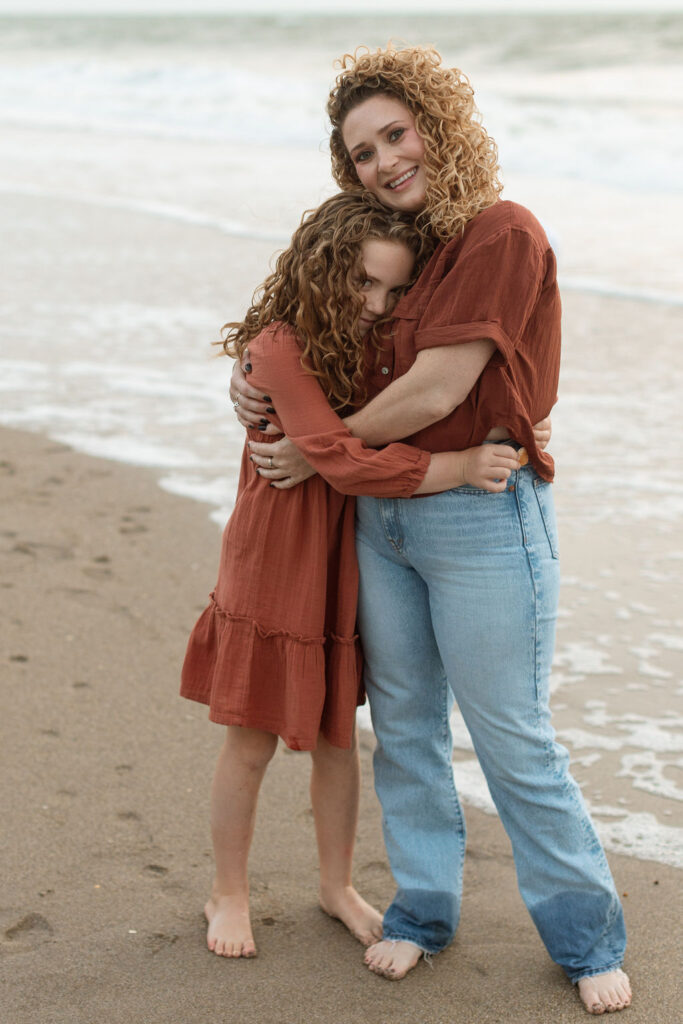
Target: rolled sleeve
[490, 292]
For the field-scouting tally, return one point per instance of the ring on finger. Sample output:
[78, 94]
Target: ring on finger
[270, 457]
[236, 403]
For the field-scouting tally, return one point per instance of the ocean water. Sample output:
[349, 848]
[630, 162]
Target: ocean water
[149, 167]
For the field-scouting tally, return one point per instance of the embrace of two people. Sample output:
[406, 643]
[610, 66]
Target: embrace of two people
[394, 536]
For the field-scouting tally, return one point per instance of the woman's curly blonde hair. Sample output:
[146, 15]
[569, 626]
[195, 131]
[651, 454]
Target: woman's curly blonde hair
[461, 160]
[316, 289]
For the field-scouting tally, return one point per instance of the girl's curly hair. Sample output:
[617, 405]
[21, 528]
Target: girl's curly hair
[316, 289]
[461, 160]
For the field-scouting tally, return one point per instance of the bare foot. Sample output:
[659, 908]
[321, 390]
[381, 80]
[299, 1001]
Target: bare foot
[347, 906]
[229, 932]
[392, 959]
[605, 993]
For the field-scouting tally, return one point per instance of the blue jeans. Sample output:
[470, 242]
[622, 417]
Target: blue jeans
[458, 600]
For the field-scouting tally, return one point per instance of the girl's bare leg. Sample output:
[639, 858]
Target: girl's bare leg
[240, 768]
[335, 790]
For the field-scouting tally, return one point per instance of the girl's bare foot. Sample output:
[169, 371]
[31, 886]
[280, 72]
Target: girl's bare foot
[347, 906]
[605, 993]
[391, 959]
[229, 932]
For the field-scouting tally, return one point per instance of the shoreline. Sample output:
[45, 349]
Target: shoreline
[105, 804]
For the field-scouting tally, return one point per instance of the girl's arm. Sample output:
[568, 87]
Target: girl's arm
[345, 461]
[488, 466]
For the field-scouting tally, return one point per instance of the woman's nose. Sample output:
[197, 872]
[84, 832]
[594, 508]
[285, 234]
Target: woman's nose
[386, 158]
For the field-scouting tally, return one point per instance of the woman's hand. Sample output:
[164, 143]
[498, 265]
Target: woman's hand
[251, 406]
[489, 466]
[542, 432]
[280, 462]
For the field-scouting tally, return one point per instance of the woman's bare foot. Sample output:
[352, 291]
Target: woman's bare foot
[392, 959]
[605, 993]
[229, 932]
[347, 906]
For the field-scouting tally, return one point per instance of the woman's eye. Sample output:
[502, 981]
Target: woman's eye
[367, 283]
[396, 134]
[363, 157]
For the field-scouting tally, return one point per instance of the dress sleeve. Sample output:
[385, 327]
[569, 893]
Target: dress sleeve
[304, 415]
[490, 292]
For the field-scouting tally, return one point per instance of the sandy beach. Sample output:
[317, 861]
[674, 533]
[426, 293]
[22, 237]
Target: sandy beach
[106, 853]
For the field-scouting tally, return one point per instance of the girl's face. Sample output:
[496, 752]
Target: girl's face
[387, 153]
[388, 267]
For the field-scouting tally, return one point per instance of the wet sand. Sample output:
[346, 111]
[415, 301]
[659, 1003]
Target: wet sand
[106, 857]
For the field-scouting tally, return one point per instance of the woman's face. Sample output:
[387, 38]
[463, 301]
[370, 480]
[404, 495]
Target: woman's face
[388, 267]
[387, 153]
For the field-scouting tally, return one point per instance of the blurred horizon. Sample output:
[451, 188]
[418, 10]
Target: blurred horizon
[396, 8]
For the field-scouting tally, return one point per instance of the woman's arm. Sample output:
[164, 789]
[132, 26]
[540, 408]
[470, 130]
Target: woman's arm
[252, 408]
[438, 381]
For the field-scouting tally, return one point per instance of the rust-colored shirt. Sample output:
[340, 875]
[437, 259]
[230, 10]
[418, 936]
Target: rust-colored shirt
[498, 281]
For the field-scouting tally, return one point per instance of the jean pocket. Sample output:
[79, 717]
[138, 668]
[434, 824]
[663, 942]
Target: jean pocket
[546, 507]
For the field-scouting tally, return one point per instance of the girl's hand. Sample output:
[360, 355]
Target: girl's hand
[489, 466]
[281, 462]
[251, 406]
[542, 432]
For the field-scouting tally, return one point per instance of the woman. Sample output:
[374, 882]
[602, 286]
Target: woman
[458, 593]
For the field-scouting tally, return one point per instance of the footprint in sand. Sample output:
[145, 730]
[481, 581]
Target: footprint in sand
[130, 525]
[156, 869]
[29, 931]
[96, 572]
[158, 941]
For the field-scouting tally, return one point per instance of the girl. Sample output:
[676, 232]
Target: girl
[459, 596]
[276, 652]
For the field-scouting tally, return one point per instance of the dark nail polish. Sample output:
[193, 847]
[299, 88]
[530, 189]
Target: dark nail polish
[251, 458]
[269, 408]
[263, 423]
[247, 367]
[267, 398]
[262, 428]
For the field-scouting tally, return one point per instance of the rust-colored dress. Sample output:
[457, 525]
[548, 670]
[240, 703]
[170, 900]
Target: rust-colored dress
[277, 648]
